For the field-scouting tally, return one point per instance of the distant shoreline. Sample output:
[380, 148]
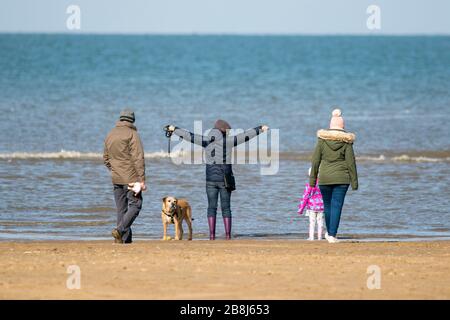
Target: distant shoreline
[256, 35]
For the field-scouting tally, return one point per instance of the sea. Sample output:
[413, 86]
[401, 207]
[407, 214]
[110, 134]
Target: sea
[61, 94]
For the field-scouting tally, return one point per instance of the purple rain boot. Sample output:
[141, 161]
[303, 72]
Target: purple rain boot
[212, 228]
[227, 225]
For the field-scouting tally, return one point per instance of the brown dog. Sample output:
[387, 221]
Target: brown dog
[174, 211]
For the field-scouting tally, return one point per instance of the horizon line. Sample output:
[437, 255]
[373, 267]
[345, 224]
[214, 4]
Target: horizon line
[249, 34]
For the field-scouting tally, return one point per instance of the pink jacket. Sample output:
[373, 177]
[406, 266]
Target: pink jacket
[312, 199]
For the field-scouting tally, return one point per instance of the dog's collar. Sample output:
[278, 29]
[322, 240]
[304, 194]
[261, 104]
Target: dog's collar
[170, 215]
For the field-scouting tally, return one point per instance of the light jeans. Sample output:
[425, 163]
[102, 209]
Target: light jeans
[333, 200]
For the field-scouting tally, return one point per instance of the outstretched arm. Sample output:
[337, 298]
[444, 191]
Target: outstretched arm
[246, 135]
[189, 136]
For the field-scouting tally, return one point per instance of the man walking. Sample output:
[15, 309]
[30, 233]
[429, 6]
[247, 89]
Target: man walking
[124, 156]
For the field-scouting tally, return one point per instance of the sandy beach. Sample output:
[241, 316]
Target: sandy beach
[239, 269]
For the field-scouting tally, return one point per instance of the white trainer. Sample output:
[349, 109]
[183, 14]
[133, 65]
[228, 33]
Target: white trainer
[326, 235]
[332, 239]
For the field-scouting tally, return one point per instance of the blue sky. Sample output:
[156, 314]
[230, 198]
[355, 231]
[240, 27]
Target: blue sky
[227, 16]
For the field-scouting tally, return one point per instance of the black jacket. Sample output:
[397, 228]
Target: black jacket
[218, 148]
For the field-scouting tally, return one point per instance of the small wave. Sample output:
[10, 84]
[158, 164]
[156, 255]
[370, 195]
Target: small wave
[51, 155]
[74, 155]
[426, 156]
[407, 158]
[416, 157]
[381, 158]
[402, 158]
[371, 158]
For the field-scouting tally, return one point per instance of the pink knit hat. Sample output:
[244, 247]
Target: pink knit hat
[337, 122]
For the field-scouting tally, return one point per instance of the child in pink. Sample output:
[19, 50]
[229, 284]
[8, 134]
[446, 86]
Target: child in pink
[313, 203]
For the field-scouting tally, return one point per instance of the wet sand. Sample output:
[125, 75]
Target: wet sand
[238, 269]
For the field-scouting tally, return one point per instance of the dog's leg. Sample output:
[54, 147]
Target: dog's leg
[177, 230]
[189, 221]
[165, 230]
[180, 229]
[189, 224]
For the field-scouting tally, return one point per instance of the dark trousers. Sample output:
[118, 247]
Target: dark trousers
[333, 201]
[213, 191]
[128, 207]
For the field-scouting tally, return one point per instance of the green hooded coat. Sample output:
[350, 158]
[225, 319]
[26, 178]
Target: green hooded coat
[333, 161]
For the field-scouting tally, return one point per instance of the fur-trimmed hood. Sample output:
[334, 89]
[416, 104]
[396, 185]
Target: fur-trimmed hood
[336, 135]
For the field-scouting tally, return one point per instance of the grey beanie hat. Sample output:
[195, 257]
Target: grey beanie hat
[127, 115]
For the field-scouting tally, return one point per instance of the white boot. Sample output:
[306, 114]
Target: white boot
[320, 226]
[312, 225]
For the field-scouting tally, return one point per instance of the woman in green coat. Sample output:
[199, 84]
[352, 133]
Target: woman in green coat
[334, 166]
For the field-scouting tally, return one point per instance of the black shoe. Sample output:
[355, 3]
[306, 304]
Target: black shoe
[117, 236]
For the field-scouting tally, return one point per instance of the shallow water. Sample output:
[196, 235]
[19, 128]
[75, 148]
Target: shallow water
[61, 94]
[80, 205]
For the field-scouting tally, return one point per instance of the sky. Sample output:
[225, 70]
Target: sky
[227, 16]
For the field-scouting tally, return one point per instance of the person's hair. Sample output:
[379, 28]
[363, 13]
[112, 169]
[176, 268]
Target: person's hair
[222, 125]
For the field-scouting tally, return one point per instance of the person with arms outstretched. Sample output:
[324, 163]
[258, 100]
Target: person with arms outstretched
[219, 172]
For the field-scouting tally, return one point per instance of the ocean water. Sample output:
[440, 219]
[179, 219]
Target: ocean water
[61, 94]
